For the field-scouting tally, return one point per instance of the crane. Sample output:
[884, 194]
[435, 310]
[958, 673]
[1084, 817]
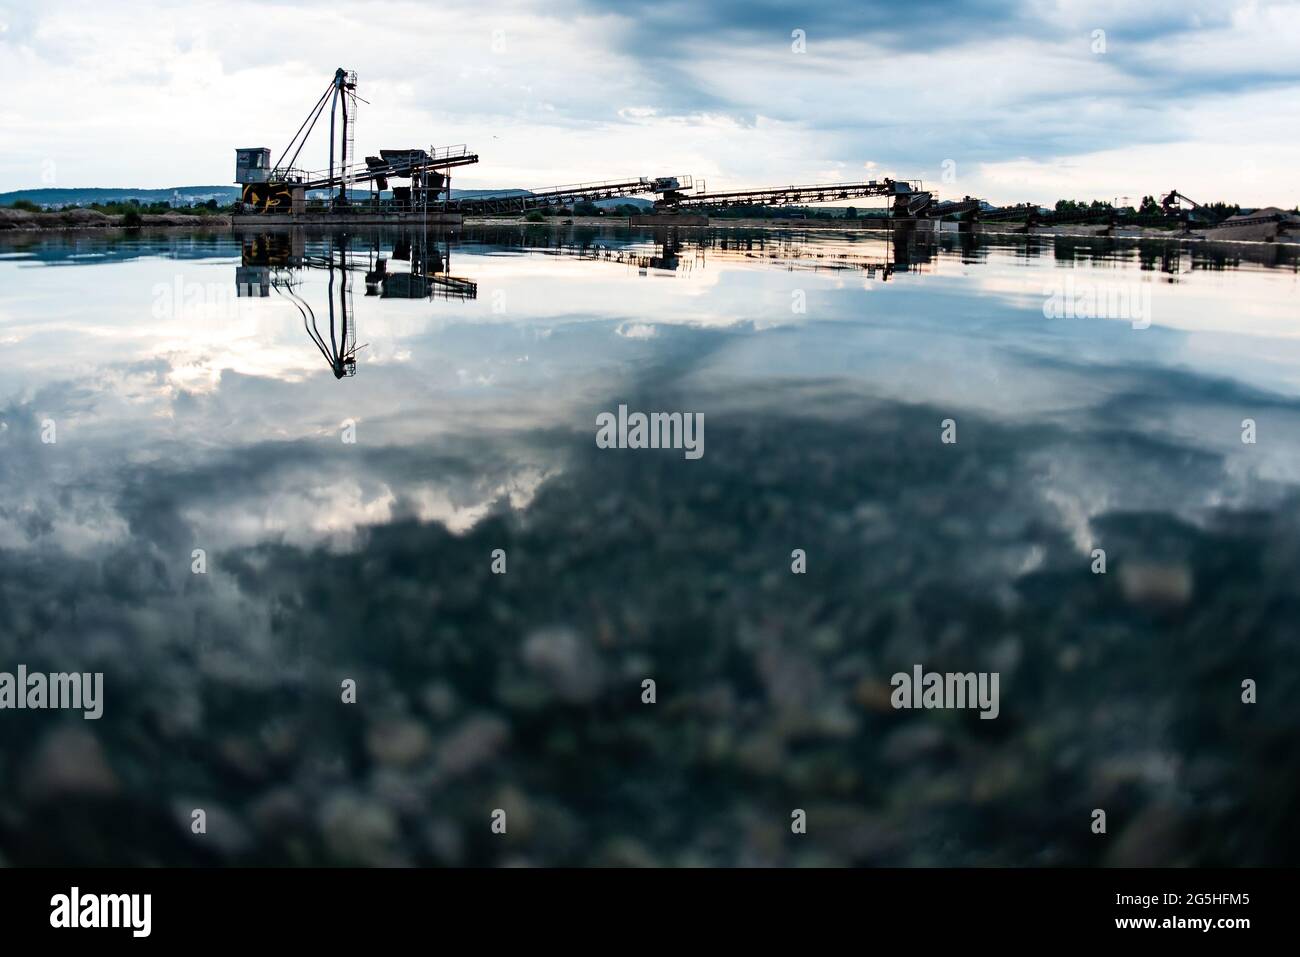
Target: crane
[272, 187]
[340, 95]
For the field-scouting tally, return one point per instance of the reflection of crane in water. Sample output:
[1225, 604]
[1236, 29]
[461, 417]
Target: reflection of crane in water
[276, 261]
[341, 351]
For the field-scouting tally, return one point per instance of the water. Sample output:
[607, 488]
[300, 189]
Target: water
[198, 397]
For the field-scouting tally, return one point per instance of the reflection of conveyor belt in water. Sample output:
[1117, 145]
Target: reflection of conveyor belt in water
[675, 251]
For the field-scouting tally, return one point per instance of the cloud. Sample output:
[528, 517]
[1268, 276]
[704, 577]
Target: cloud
[158, 94]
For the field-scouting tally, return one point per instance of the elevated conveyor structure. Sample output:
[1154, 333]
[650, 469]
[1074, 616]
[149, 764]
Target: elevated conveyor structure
[557, 196]
[910, 200]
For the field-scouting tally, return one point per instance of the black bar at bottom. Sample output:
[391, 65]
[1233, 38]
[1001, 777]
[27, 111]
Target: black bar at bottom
[333, 907]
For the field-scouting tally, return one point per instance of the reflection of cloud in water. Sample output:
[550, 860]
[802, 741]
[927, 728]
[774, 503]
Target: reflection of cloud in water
[372, 561]
[332, 503]
[623, 565]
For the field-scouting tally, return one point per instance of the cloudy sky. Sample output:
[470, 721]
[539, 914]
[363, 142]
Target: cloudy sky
[1016, 101]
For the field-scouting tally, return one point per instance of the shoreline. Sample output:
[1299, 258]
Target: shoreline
[21, 222]
[80, 220]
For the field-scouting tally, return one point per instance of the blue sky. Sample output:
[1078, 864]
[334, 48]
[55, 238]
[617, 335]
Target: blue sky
[1013, 101]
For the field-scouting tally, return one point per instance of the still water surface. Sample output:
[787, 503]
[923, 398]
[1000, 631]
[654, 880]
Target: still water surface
[349, 426]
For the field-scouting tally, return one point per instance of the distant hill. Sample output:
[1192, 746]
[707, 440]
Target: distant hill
[222, 194]
[85, 196]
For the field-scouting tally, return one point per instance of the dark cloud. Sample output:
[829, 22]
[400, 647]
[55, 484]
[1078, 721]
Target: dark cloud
[674, 42]
[657, 29]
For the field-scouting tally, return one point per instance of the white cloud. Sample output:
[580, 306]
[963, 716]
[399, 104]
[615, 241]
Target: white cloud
[136, 94]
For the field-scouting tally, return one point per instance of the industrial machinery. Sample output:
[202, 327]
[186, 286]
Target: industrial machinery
[910, 201]
[518, 201]
[1171, 203]
[284, 186]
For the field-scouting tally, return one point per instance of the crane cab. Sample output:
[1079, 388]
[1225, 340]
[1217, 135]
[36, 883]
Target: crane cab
[252, 165]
